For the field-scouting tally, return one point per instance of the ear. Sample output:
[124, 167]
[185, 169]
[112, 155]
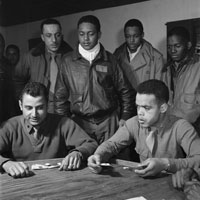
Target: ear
[20, 105]
[143, 35]
[189, 45]
[99, 34]
[42, 37]
[163, 107]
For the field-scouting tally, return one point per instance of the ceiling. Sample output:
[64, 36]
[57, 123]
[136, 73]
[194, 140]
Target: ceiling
[14, 12]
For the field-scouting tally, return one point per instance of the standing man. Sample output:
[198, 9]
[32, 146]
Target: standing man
[37, 135]
[6, 89]
[13, 56]
[91, 85]
[139, 60]
[42, 63]
[3, 64]
[183, 76]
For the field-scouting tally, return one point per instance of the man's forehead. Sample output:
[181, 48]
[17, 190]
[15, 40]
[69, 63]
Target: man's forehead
[51, 28]
[145, 98]
[28, 98]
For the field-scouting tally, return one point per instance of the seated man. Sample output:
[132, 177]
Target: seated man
[162, 140]
[37, 135]
[188, 180]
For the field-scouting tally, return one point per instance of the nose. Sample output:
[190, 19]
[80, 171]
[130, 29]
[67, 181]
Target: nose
[34, 112]
[140, 111]
[53, 38]
[86, 37]
[173, 49]
[132, 39]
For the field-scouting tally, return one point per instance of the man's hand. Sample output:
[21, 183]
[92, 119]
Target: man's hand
[183, 176]
[94, 162]
[192, 190]
[153, 166]
[72, 161]
[17, 169]
[121, 122]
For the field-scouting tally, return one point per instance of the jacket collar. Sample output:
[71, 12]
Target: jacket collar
[102, 54]
[40, 49]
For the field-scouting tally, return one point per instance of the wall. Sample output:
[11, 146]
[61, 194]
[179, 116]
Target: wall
[154, 14]
[3, 31]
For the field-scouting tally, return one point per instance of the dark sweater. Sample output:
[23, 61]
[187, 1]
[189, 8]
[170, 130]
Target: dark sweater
[58, 136]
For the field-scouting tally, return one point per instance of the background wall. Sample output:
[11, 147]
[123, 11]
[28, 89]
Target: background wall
[154, 14]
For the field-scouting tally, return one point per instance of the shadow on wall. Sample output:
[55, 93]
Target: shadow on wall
[120, 37]
[162, 47]
[72, 38]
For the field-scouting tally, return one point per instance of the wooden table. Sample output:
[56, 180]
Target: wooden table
[114, 183]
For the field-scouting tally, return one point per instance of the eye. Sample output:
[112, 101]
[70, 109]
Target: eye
[58, 35]
[81, 33]
[40, 107]
[28, 107]
[147, 108]
[48, 35]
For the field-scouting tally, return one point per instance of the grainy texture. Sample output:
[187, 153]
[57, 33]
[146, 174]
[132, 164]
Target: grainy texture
[114, 183]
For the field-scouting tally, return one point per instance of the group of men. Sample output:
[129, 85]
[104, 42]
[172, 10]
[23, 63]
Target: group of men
[102, 93]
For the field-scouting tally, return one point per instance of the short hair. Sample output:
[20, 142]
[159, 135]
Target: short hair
[181, 32]
[90, 19]
[134, 22]
[49, 21]
[3, 40]
[156, 88]
[35, 89]
[12, 46]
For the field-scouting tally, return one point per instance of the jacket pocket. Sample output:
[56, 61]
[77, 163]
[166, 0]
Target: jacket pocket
[190, 100]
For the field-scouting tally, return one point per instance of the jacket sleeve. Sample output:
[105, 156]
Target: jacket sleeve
[157, 65]
[120, 140]
[190, 142]
[126, 93]
[77, 137]
[4, 146]
[62, 105]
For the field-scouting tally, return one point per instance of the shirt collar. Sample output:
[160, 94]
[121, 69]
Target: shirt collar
[30, 128]
[162, 125]
[132, 55]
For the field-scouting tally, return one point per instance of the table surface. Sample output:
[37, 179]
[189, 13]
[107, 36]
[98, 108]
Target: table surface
[113, 183]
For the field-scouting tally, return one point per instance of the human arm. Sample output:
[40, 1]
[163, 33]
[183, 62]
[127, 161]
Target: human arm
[94, 162]
[126, 93]
[62, 104]
[157, 64]
[72, 161]
[152, 167]
[189, 181]
[16, 169]
[192, 190]
[181, 177]
[120, 140]
[76, 137]
[189, 141]
[121, 122]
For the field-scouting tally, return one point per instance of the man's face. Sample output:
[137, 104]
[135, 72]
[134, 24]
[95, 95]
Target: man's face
[148, 110]
[34, 109]
[177, 48]
[133, 38]
[52, 37]
[12, 55]
[88, 35]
